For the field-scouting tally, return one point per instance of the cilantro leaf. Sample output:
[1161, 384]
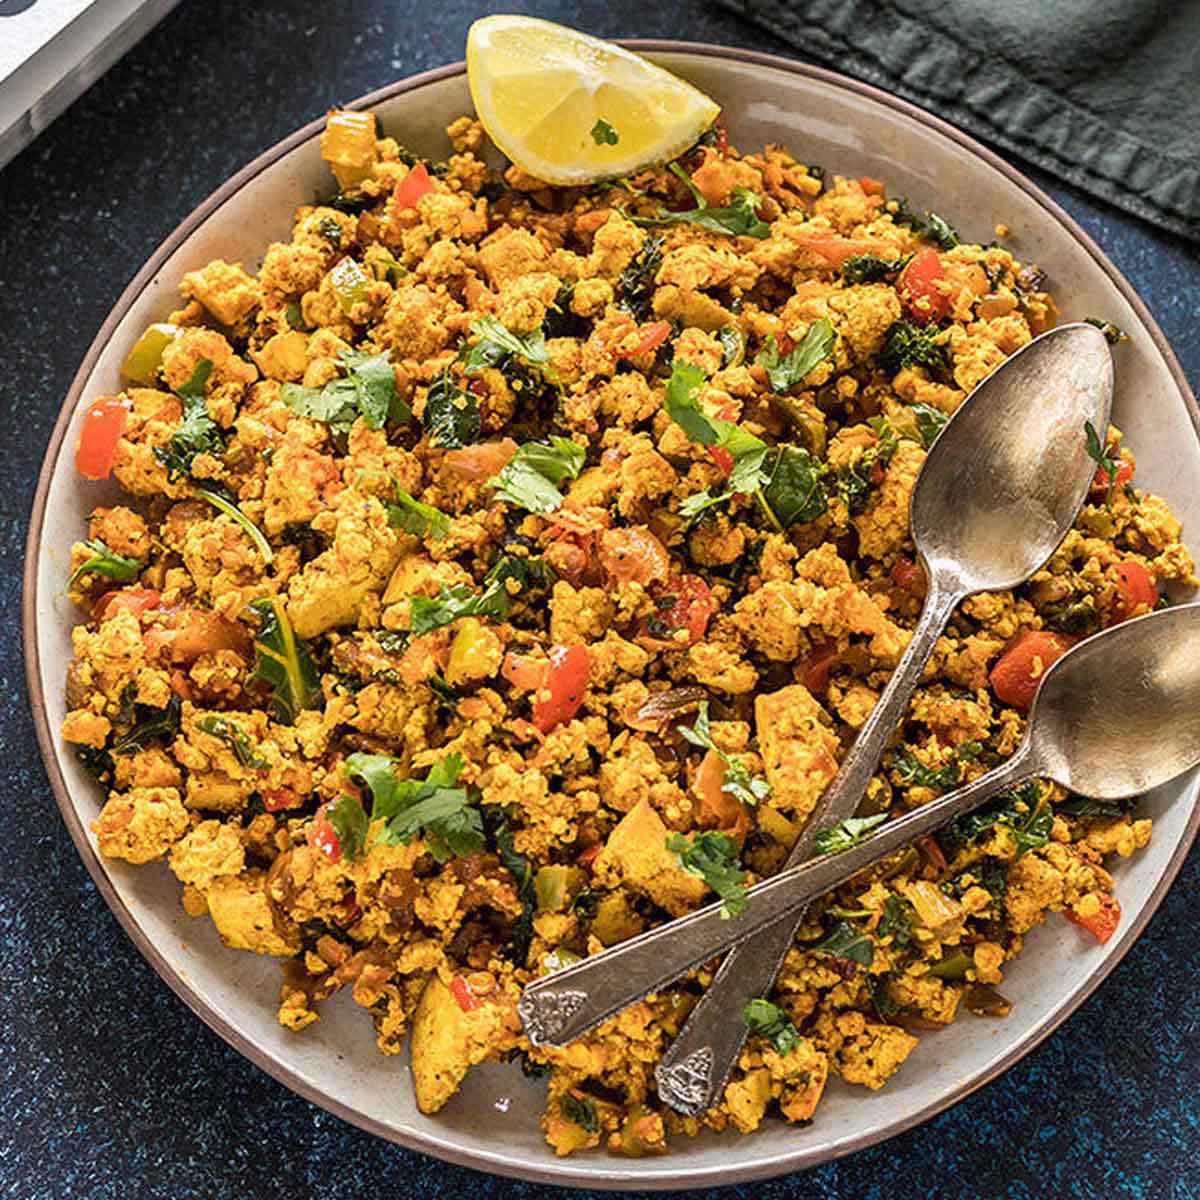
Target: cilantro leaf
[427, 613]
[790, 369]
[431, 808]
[529, 479]
[846, 833]
[118, 567]
[769, 1020]
[197, 433]
[368, 389]
[739, 219]
[451, 416]
[603, 134]
[713, 857]
[495, 342]
[1098, 452]
[738, 781]
[283, 662]
[416, 517]
[846, 941]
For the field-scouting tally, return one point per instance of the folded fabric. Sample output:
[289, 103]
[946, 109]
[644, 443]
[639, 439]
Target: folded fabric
[1102, 93]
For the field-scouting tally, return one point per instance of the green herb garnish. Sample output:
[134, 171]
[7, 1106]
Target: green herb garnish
[529, 479]
[235, 737]
[846, 941]
[197, 433]
[770, 1021]
[739, 219]
[790, 369]
[451, 416]
[283, 662]
[846, 833]
[713, 857]
[368, 389]
[603, 134]
[117, 567]
[738, 781]
[1098, 452]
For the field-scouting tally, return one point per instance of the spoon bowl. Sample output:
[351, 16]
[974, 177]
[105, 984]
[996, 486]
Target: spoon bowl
[1120, 714]
[988, 506]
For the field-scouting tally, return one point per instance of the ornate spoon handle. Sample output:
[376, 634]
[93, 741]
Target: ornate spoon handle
[562, 1006]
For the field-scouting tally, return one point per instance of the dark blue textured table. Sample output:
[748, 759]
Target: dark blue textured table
[109, 1087]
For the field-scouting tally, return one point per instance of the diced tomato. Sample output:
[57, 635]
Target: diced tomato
[871, 186]
[481, 460]
[134, 600]
[461, 991]
[524, 673]
[102, 429]
[1099, 485]
[585, 858]
[1102, 924]
[183, 634]
[931, 852]
[691, 606]
[653, 336]
[905, 573]
[275, 799]
[323, 837]
[566, 681]
[723, 458]
[411, 188]
[835, 249]
[1136, 591]
[633, 554]
[717, 808]
[816, 669]
[1019, 670]
[918, 289]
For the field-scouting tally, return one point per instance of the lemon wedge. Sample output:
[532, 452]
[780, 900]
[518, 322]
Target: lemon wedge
[570, 108]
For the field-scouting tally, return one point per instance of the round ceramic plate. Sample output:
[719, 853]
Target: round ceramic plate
[492, 1123]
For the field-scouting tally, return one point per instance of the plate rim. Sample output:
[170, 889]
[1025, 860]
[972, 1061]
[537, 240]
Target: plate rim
[553, 1171]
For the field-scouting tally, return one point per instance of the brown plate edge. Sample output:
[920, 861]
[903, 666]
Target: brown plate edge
[624, 1178]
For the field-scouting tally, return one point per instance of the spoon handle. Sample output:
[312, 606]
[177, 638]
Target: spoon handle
[566, 1004]
[696, 1065]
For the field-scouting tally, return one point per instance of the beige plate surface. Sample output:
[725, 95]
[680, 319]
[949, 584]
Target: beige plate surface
[851, 129]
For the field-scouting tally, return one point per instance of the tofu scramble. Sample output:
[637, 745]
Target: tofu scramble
[505, 570]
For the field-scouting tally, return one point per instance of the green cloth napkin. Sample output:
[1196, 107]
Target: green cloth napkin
[1104, 94]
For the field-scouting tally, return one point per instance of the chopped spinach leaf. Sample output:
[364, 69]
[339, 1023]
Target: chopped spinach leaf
[770, 1021]
[1085, 806]
[520, 868]
[928, 226]
[930, 422]
[844, 940]
[896, 921]
[451, 416]
[350, 824]
[161, 725]
[118, 567]
[870, 268]
[235, 737]
[713, 857]
[635, 285]
[909, 345]
[581, 1111]
[282, 661]
[795, 488]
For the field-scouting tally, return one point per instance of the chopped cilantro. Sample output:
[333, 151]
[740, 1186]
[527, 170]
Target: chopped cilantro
[713, 857]
[770, 1021]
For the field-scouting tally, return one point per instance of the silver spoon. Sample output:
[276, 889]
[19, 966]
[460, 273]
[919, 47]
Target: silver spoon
[998, 491]
[1115, 716]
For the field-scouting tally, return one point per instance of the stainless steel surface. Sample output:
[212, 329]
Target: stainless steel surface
[995, 496]
[1117, 715]
[997, 493]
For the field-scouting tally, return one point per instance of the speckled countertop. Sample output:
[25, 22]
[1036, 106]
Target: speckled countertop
[109, 1087]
